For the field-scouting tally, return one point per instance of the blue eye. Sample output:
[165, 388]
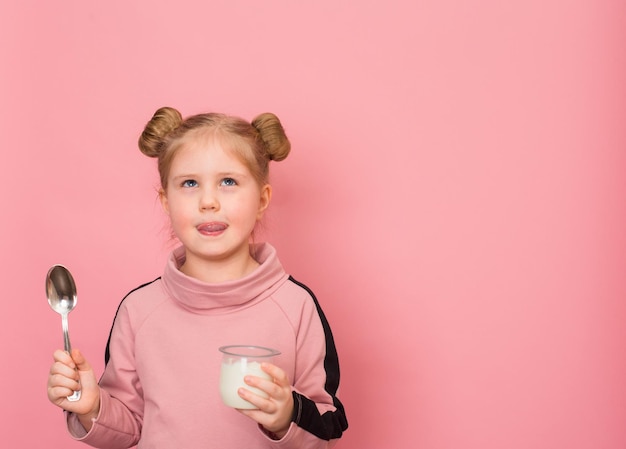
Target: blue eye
[228, 182]
[189, 183]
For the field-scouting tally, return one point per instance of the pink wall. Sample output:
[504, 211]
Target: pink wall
[455, 197]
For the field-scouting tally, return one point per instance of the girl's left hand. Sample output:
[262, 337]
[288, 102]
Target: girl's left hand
[273, 413]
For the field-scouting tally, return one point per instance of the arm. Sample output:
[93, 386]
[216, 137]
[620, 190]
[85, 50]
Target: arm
[317, 410]
[119, 419]
[318, 419]
[307, 414]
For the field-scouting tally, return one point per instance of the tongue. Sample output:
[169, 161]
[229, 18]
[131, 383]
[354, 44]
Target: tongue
[212, 227]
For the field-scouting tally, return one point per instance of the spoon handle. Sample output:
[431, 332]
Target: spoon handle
[66, 334]
[68, 348]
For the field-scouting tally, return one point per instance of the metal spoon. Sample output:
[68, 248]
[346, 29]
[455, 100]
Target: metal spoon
[61, 291]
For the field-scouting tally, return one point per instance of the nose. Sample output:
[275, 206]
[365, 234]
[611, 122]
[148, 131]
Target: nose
[209, 200]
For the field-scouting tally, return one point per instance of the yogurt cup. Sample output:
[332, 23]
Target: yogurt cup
[239, 361]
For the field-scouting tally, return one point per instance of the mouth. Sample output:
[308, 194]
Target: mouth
[212, 228]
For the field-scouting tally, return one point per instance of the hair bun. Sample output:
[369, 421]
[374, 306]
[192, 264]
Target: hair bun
[164, 121]
[273, 136]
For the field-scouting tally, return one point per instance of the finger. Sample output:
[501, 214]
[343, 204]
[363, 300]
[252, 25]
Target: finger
[63, 357]
[273, 415]
[278, 387]
[260, 402]
[263, 384]
[279, 376]
[62, 381]
[81, 362]
[65, 382]
[59, 368]
[58, 395]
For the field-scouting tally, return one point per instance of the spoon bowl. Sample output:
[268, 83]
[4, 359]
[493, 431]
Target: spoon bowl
[61, 289]
[61, 292]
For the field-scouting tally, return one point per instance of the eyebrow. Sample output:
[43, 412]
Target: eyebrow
[186, 176]
[232, 174]
[229, 174]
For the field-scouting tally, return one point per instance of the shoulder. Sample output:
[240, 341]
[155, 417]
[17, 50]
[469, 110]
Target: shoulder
[294, 290]
[302, 290]
[141, 300]
[136, 305]
[296, 299]
[139, 294]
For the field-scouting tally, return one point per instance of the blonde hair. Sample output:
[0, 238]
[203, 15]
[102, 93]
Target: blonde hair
[256, 143]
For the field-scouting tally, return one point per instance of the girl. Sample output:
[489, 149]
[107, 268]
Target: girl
[160, 384]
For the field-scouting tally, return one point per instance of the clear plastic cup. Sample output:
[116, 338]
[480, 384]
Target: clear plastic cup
[239, 361]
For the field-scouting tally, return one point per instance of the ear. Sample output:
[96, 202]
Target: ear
[266, 197]
[163, 199]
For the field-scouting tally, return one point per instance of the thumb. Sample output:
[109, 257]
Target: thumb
[81, 362]
[89, 401]
[85, 372]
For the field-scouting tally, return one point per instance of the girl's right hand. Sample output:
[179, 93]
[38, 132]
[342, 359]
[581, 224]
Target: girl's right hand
[69, 373]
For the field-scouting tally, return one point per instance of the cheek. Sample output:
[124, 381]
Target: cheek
[246, 214]
[177, 213]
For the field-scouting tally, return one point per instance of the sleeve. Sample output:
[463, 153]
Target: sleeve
[319, 418]
[119, 422]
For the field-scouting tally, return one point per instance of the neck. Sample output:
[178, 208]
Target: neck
[217, 271]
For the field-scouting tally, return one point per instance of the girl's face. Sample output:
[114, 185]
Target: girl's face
[213, 203]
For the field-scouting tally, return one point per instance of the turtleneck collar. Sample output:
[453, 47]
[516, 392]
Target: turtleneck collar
[224, 297]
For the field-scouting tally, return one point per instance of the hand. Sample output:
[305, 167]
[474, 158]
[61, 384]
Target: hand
[71, 373]
[273, 413]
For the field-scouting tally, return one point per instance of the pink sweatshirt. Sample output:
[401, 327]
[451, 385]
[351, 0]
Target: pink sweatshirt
[160, 387]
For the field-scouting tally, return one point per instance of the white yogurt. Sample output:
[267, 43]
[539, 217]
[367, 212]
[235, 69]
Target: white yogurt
[231, 379]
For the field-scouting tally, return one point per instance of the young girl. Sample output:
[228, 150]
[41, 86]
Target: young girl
[160, 384]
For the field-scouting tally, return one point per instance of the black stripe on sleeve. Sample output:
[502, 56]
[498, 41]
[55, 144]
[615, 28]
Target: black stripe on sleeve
[306, 415]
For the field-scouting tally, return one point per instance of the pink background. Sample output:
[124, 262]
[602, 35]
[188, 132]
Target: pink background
[455, 197]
